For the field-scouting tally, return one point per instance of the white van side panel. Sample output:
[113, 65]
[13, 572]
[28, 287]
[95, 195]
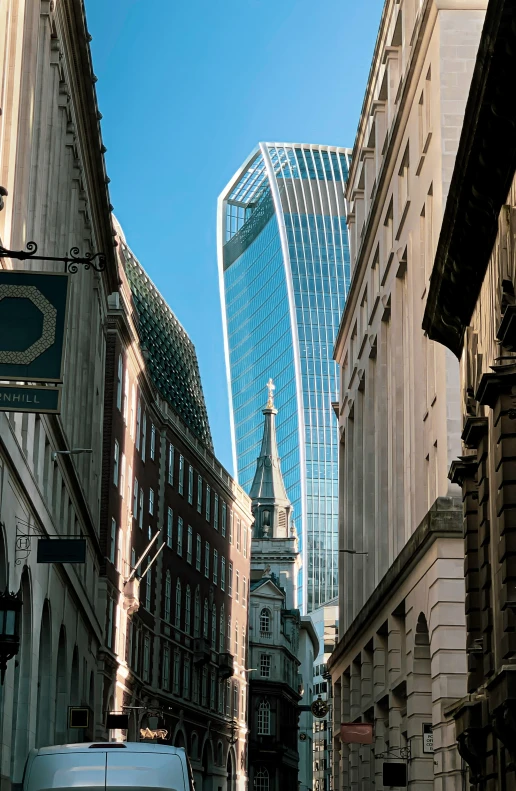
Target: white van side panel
[139, 771]
[80, 772]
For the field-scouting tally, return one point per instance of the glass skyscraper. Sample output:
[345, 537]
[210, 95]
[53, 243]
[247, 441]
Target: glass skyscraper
[284, 273]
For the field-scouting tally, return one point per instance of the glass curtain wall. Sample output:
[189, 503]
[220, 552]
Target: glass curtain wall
[284, 273]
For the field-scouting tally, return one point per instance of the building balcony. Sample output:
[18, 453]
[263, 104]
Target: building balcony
[226, 665]
[202, 651]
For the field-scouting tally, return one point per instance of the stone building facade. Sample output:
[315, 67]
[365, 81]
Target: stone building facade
[176, 625]
[470, 310]
[52, 167]
[401, 657]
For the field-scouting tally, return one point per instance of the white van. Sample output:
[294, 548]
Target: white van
[108, 766]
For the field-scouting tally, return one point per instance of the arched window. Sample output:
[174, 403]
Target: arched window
[261, 779]
[168, 596]
[197, 614]
[205, 625]
[119, 379]
[264, 718]
[214, 627]
[188, 610]
[178, 604]
[222, 630]
[265, 621]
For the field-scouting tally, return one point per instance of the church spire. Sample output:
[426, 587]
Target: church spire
[270, 503]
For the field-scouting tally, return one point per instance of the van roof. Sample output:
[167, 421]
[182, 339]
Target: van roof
[134, 747]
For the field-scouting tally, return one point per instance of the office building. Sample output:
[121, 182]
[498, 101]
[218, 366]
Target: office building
[283, 268]
[401, 655]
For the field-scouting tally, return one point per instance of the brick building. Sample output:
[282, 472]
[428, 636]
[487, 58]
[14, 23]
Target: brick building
[176, 623]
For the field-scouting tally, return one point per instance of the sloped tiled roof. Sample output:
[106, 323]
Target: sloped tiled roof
[172, 360]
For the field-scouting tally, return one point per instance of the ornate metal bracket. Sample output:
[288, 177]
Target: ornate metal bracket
[23, 545]
[97, 261]
[401, 753]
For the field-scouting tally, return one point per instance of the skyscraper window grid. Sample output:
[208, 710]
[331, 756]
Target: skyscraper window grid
[284, 274]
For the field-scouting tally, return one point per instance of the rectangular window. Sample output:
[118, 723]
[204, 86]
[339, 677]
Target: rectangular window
[109, 624]
[206, 559]
[224, 514]
[235, 699]
[231, 527]
[135, 498]
[195, 685]
[122, 476]
[216, 511]
[223, 574]
[208, 503]
[177, 671]
[190, 484]
[116, 456]
[215, 567]
[181, 483]
[170, 520]
[148, 589]
[244, 592]
[171, 464]
[142, 504]
[186, 677]
[239, 533]
[179, 536]
[237, 586]
[151, 501]
[126, 395]
[246, 533]
[228, 698]
[138, 424]
[112, 547]
[221, 697]
[119, 382]
[198, 550]
[166, 667]
[265, 665]
[153, 441]
[212, 690]
[199, 494]
[230, 578]
[144, 436]
[119, 550]
[129, 485]
[146, 658]
[204, 695]
[189, 543]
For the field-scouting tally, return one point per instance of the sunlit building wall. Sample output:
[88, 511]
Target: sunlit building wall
[284, 274]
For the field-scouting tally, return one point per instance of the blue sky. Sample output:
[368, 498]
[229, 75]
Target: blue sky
[186, 90]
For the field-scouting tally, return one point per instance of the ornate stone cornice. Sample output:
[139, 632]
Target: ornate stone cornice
[484, 170]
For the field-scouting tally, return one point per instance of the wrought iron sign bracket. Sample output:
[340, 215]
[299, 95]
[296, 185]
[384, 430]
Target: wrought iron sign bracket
[72, 261]
[399, 753]
[24, 535]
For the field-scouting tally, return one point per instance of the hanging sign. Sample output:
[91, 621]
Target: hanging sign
[428, 738]
[27, 398]
[32, 326]
[356, 732]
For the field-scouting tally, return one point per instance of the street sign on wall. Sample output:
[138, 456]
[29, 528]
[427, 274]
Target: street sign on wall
[32, 326]
[27, 398]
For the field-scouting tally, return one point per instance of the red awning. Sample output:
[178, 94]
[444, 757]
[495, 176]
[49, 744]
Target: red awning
[356, 732]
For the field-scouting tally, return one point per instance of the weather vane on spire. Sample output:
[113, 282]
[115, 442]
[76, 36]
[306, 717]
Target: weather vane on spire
[270, 389]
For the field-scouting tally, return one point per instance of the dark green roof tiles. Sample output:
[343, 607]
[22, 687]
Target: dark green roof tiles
[172, 361]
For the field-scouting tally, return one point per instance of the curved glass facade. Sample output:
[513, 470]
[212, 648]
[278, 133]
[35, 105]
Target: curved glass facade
[284, 270]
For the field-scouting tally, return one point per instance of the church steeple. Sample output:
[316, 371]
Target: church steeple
[270, 504]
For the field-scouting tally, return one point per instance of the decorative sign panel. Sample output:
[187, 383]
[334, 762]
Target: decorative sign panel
[61, 550]
[78, 717]
[116, 722]
[24, 398]
[394, 774]
[32, 325]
